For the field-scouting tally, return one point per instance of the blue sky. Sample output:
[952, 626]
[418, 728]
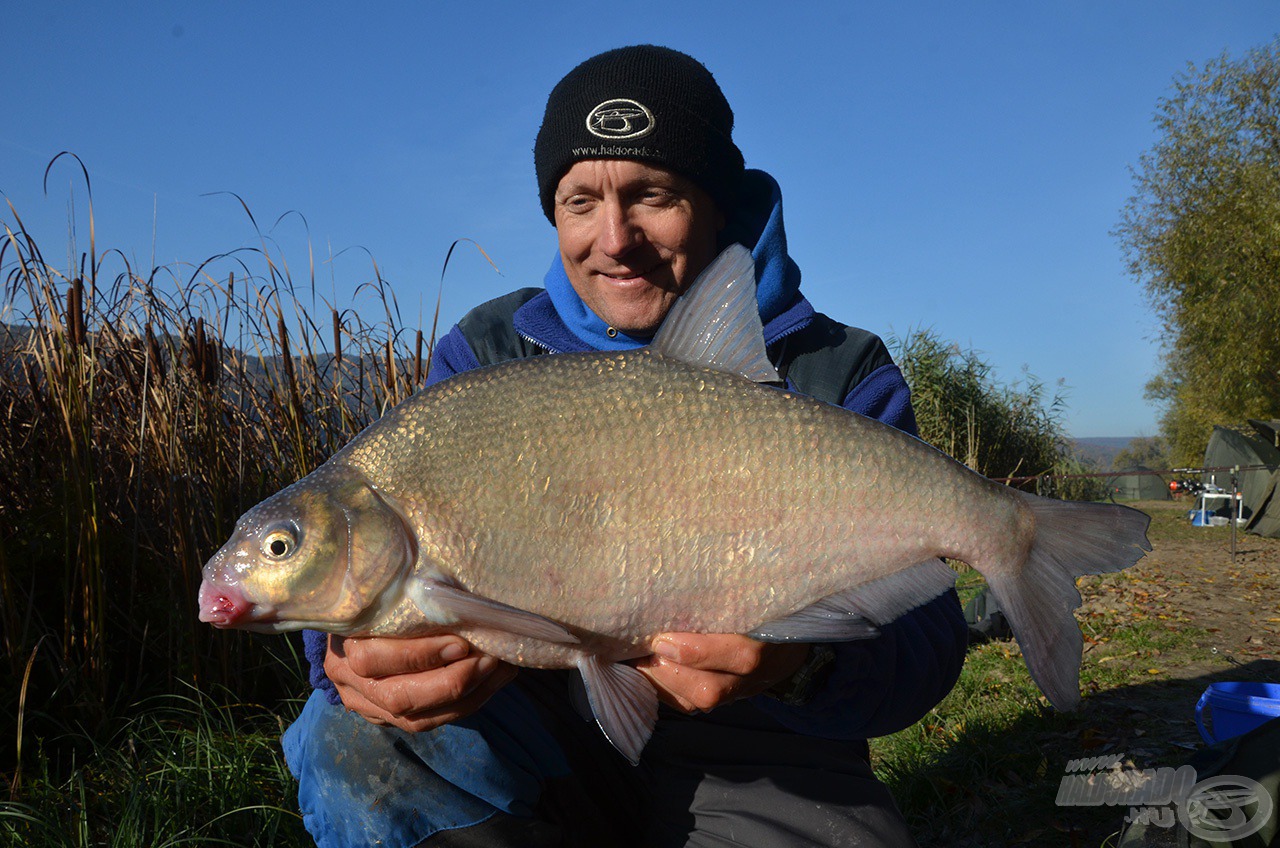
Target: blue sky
[955, 166]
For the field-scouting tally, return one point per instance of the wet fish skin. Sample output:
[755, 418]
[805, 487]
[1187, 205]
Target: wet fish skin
[560, 511]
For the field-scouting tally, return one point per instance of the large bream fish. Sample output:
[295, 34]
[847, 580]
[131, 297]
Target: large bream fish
[560, 511]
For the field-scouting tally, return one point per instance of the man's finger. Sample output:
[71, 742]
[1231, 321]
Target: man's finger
[463, 707]
[422, 701]
[689, 690]
[383, 657]
[409, 694]
[724, 652]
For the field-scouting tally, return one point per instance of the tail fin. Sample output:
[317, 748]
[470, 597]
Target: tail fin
[1040, 597]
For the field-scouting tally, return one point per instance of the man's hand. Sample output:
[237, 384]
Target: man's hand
[414, 684]
[699, 672]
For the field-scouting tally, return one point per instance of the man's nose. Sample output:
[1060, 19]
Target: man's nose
[619, 231]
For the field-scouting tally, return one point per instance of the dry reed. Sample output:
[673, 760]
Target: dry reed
[144, 413]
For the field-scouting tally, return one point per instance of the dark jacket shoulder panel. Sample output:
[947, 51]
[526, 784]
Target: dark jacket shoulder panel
[827, 359]
[488, 329]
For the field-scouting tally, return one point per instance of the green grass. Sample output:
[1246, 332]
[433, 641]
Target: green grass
[964, 768]
[180, 770]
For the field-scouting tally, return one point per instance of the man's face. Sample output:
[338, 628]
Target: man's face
[633, 237]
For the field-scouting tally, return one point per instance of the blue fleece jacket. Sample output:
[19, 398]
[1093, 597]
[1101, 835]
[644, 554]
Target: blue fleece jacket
[877, 686]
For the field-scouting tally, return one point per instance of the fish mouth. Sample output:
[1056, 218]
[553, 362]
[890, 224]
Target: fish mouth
[226, 607]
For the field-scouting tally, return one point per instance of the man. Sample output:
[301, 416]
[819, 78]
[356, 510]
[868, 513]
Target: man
[759, 744]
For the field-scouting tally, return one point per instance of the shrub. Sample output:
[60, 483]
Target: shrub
[998, 430]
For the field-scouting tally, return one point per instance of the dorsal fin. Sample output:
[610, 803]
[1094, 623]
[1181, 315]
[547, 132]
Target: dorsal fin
[716, 324]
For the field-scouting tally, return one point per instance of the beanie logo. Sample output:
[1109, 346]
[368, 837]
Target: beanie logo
[620, 118]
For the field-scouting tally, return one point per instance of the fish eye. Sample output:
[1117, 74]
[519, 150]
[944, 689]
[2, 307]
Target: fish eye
[279, 544]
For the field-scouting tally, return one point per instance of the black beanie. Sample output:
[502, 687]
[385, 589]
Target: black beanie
[648, 103]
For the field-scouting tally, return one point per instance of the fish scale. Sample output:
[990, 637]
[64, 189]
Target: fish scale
[563, 510]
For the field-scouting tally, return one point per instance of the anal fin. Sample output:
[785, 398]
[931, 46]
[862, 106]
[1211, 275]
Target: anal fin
[856, 612]
[623, 701]
[832, 619]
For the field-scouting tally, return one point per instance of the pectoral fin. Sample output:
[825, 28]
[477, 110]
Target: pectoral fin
[448, 604]
[623, 701]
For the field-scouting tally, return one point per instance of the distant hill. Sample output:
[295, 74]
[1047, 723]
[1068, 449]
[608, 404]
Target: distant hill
[1101, 450]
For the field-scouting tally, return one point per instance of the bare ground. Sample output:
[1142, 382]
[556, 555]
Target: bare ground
[1190, 583]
